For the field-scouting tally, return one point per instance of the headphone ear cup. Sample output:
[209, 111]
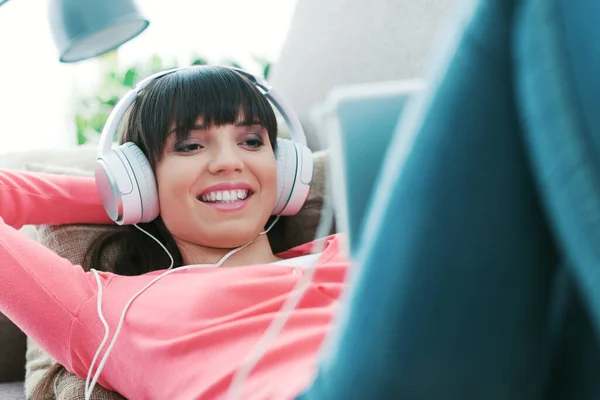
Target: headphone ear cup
[294, 176]
[113, 183]
[127, 186]
[144, 182]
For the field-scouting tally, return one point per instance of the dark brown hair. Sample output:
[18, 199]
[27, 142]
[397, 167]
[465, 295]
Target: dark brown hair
[220, 96]
[217, 94]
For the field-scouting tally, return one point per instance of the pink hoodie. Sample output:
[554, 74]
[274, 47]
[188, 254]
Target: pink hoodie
[186, 335]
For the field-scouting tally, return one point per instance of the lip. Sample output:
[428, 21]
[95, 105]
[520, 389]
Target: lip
[227, 186]
[229, 207]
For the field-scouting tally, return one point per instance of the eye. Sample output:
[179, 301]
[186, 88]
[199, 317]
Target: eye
[254, 143]
[188, 148]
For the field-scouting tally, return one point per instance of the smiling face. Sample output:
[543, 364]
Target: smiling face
[210, 137]
[217, 187]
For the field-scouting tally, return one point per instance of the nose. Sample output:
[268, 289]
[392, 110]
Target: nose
[225, 159]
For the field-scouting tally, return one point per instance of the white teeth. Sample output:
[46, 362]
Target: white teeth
[228, 196]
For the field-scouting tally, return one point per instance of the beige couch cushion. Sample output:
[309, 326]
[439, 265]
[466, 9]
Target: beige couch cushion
[71, 387]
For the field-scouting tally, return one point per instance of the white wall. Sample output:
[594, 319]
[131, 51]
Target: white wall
[36, 90]
[340, 42]
[33, 86]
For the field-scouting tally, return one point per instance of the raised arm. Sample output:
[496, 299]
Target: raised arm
[41, 292]
[36, 199]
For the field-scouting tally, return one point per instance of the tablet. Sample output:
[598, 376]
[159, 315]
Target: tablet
[359, 122]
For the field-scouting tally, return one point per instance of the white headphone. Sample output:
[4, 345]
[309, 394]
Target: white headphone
[127, 184]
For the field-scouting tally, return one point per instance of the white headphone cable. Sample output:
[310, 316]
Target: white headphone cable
[89, 386]
[276, 326]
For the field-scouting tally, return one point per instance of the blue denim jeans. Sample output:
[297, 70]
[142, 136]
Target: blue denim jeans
[478, 271]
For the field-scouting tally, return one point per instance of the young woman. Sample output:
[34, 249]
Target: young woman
[210, 137]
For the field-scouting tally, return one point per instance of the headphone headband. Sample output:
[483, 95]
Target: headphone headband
[111, 127]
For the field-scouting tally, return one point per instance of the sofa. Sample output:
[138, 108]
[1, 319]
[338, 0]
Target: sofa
[329, 44]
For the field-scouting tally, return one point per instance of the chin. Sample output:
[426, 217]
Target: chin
[230, 238]
[218, 233]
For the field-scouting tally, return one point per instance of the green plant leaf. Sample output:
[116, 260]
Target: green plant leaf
[231, 63]
[130, 77]
[81, 124]
[81, 138]
[155, 63]
[98, 121]
[112, 101]
[199, 61]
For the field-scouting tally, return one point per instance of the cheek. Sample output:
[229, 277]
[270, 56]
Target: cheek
[173, 187]
[268, 179]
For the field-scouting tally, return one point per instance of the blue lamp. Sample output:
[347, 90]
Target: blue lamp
[84, 29]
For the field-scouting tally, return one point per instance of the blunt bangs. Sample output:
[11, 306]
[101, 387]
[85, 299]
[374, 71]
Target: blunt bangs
[174, 102]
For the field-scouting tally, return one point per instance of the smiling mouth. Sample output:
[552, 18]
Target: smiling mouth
[226, 196]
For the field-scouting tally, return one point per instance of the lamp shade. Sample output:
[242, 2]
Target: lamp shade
[85, 29]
